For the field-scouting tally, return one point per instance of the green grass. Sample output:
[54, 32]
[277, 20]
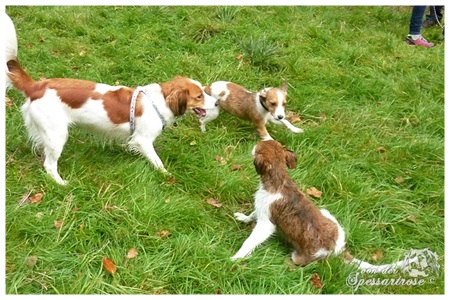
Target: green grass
[353, 81]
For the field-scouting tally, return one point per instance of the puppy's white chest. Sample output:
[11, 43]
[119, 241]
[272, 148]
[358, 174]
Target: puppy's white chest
[263, 200]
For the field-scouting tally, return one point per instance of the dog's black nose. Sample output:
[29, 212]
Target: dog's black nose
[280, 117]
[217, 103]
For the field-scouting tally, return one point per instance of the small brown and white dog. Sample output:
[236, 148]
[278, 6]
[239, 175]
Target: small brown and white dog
[258, 108]
[137, 115]
[314, 233]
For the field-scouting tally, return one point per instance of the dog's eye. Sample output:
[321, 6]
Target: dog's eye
[273, 104]
[200, 96]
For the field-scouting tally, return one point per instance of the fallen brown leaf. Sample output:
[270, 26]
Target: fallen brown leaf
[31, 260]
[171, 180]
[132, 253]
[8, 102]
[322, 117]
[236, 167]
[399, 180]
[109, 265]
[378, 255]
[239, 56]
[381, 149]
[58, 224]
[312, 191]
[163, 233]
[316, 281]
[295, 119]
[214, 202]
[412, 218]
[220, 159]
[37, 198]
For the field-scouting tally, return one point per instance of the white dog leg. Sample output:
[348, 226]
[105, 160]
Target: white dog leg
[287, 124]
[262, 231]
[146, 148]
[244, 218]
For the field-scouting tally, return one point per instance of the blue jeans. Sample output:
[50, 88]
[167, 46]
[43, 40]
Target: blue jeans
[415, 25]
[435, 13]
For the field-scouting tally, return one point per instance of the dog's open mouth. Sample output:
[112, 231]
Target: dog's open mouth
[199, 111]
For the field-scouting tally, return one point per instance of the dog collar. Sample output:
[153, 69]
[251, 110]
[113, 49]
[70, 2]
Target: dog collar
[262, 104]
[133, 108]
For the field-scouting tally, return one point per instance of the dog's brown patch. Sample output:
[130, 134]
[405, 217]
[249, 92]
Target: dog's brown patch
[298, 218]
[117, 105]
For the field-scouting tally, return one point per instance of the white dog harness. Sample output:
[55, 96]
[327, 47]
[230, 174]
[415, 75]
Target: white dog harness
[133, 108]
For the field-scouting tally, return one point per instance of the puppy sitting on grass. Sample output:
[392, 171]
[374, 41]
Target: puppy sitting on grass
[258, 108]
[314, 233]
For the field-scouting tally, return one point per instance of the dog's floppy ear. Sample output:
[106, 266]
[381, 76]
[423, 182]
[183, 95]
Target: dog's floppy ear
[177, 101]
[263, 92]
[207, 90]
[291, 159]
[261, 165]
[285, 86]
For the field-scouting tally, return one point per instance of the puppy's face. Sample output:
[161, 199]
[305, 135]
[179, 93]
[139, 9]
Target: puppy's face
[270, 155]
[274, 100]
[184, 94]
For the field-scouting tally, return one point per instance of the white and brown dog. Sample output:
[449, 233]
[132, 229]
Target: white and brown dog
[258, 108]
[137, 115]
[314, 233]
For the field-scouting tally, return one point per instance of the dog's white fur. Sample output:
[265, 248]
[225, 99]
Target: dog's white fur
[268, 194]
[54, 105]
[258, 108]
[10, 44]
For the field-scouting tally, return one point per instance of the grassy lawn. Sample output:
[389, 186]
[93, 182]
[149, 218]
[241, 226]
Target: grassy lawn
[373, 113]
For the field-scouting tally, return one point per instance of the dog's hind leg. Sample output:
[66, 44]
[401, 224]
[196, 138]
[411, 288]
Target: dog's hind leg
[53, 142]
[262, 231]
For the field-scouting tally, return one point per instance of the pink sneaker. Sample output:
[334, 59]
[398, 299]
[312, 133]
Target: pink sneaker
[421, 41]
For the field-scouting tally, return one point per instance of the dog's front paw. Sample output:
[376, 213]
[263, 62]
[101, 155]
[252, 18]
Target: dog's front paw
[297, 130]
[234, 258]
[242, 217]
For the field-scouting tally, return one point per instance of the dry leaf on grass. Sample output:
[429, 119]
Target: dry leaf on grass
[163, 233]
[239, 56]
[58, 224]
[37, 198]
[316, 281]
[220, 159]
[381, 149]
[378, 255]
[8, 102]
[214, 202]
[412, 218]
[31, 260]
[171, 180]
[399, 180]
[312, 191]
[109, 265]
[132, 253]
[236, 167]
[295, 119]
